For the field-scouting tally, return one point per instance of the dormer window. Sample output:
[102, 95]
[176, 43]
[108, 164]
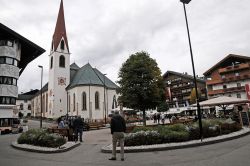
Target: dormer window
[62, 45]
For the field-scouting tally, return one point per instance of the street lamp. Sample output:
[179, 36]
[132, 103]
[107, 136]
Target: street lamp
[67, 116]
[195, 81]
[105, 117]
[41, 116]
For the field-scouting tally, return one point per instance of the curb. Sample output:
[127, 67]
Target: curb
[172, 146]
[31, 148]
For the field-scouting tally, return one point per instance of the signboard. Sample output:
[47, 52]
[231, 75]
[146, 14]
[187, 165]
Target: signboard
[244, 118]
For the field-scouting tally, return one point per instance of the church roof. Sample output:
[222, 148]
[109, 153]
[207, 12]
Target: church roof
[74, 66]
[108, 82]
[60, 29]
[87, 75]
[28, 95]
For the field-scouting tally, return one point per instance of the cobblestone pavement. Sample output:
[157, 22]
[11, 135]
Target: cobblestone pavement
[229, 153]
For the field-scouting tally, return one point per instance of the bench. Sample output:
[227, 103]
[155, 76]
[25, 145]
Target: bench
[95, 125]
[63, 132]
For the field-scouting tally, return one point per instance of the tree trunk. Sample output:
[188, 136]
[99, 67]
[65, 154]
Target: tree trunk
[144, 117]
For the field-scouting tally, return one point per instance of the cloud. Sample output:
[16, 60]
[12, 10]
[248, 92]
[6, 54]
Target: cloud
[105, 33]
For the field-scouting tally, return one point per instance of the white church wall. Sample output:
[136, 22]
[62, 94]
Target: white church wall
[90, 101]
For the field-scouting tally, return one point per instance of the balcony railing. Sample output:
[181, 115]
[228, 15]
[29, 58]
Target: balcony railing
[226, 90]
[234, 68]
[228, 79]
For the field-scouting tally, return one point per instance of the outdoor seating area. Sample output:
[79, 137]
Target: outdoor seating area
[65, 132]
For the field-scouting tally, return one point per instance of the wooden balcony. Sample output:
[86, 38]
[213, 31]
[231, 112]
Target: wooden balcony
[228, 79]
[213, 82]
[227, 90]
[234, 68]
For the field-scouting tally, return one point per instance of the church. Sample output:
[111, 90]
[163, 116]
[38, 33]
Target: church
[72, 90]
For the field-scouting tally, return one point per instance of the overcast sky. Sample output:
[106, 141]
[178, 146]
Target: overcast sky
[105, 32]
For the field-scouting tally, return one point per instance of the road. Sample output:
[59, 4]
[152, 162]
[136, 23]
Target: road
[229, 153]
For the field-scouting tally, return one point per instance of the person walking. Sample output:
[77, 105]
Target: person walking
[61, 124]
[78, 128]
[118, 127]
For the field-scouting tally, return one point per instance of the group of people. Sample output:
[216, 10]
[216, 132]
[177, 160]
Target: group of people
[117, 126]
[76, 124]
[159, 117]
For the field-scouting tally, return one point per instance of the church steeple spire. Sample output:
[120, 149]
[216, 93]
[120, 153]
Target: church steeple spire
[60, 30]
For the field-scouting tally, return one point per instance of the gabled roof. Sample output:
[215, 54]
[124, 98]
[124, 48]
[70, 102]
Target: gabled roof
[182, 75]
[74, 66]
[227, 61]
[29, 50]
[28, 95]
[73, 70]
[87, 75]
[60, 29]
[108, 82]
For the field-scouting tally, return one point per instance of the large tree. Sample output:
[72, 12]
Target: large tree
[141, 83]
[193, 95]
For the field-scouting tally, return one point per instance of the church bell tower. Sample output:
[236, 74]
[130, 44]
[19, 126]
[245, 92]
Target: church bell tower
[59, 69]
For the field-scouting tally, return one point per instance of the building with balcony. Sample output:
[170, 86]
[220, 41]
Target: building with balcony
[16, 52]
[229, 77]
[23, 102]
[178, 87]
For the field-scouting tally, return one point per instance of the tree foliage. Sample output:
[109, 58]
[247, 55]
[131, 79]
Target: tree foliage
[141, 83]
[193, 95]
[162, 107]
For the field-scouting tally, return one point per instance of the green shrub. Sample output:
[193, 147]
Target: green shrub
[143, 138]
[180, 132]
[41, 137]
[175, 136]
[137, 129]
[177, 127]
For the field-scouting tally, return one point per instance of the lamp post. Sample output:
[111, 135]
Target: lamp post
[41, 116]
[192, 60]
[67, 106]
[104, 86]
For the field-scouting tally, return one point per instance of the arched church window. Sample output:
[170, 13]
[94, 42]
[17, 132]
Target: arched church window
[114, 104]
[69, 103]
[96, 100]
[51, 46]
[84, 103]
[74, 102]
[51, 62]
[62, 45]
[62, 61]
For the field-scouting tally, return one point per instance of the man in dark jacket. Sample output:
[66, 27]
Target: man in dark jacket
[118, 127]
[78, 128]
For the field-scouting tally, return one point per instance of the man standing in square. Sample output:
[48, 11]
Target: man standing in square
[118, 127]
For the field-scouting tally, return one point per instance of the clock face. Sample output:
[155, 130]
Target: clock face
[61, 81]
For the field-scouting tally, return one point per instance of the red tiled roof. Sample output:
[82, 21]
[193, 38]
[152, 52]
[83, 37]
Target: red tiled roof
[60, 29]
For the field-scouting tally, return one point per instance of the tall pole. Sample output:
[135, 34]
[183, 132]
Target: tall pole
[67, 117]
[192, 60]
[105, 117]
[41, 116]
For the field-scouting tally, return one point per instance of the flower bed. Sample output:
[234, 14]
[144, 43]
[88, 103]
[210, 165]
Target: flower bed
[179, 132]
[42, 138]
